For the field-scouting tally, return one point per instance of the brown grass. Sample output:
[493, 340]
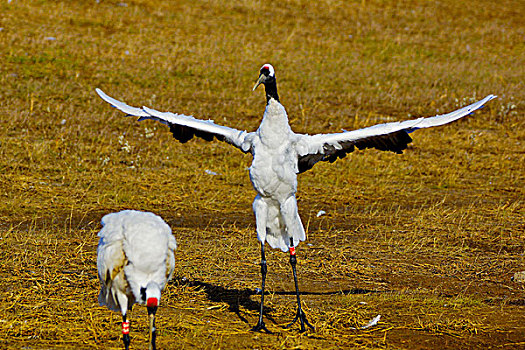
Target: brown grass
[429, 239]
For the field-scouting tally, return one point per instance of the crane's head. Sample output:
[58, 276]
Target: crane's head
[266, 75]
[267, 78]
[150, 294]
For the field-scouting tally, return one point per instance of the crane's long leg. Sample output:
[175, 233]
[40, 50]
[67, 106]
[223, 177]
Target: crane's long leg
[125, 332]
[294, 229]
[260, 325]
[300, 313]
[152, 331]
[123, 302]
[260, 208]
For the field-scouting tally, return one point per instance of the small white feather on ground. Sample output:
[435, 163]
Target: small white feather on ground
[373, 322]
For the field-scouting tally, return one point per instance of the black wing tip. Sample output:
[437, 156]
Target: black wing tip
[395, 142]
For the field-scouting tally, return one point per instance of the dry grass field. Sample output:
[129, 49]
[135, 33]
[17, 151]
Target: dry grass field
[429, 239]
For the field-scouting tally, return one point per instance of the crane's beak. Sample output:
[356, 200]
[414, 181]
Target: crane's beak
[261, 79]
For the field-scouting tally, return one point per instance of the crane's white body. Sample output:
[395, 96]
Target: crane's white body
[273, 174]
[135, 258]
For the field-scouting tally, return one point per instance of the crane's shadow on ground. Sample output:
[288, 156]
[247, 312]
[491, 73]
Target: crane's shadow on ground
[236, 298]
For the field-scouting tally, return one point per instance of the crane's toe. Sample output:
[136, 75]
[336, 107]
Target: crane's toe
[259, 327]
[301, 316]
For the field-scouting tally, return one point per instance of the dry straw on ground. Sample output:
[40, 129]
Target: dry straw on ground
[429, 240]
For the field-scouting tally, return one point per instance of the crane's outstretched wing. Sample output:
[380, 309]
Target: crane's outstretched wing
[184, 127]
[385, 137]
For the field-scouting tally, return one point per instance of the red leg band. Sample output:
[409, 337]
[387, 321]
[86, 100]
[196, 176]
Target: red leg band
[125, 327]
[292, 251]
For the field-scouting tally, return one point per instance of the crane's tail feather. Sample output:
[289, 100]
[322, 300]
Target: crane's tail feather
[284, 223]
[275, 230]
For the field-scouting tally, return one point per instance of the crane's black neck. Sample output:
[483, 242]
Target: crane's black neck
[270, 86]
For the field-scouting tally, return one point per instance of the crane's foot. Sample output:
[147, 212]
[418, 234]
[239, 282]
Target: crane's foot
[301, 316]
[259, 327]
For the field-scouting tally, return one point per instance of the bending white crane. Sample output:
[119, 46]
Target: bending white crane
[135, 261]
[279, 155]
